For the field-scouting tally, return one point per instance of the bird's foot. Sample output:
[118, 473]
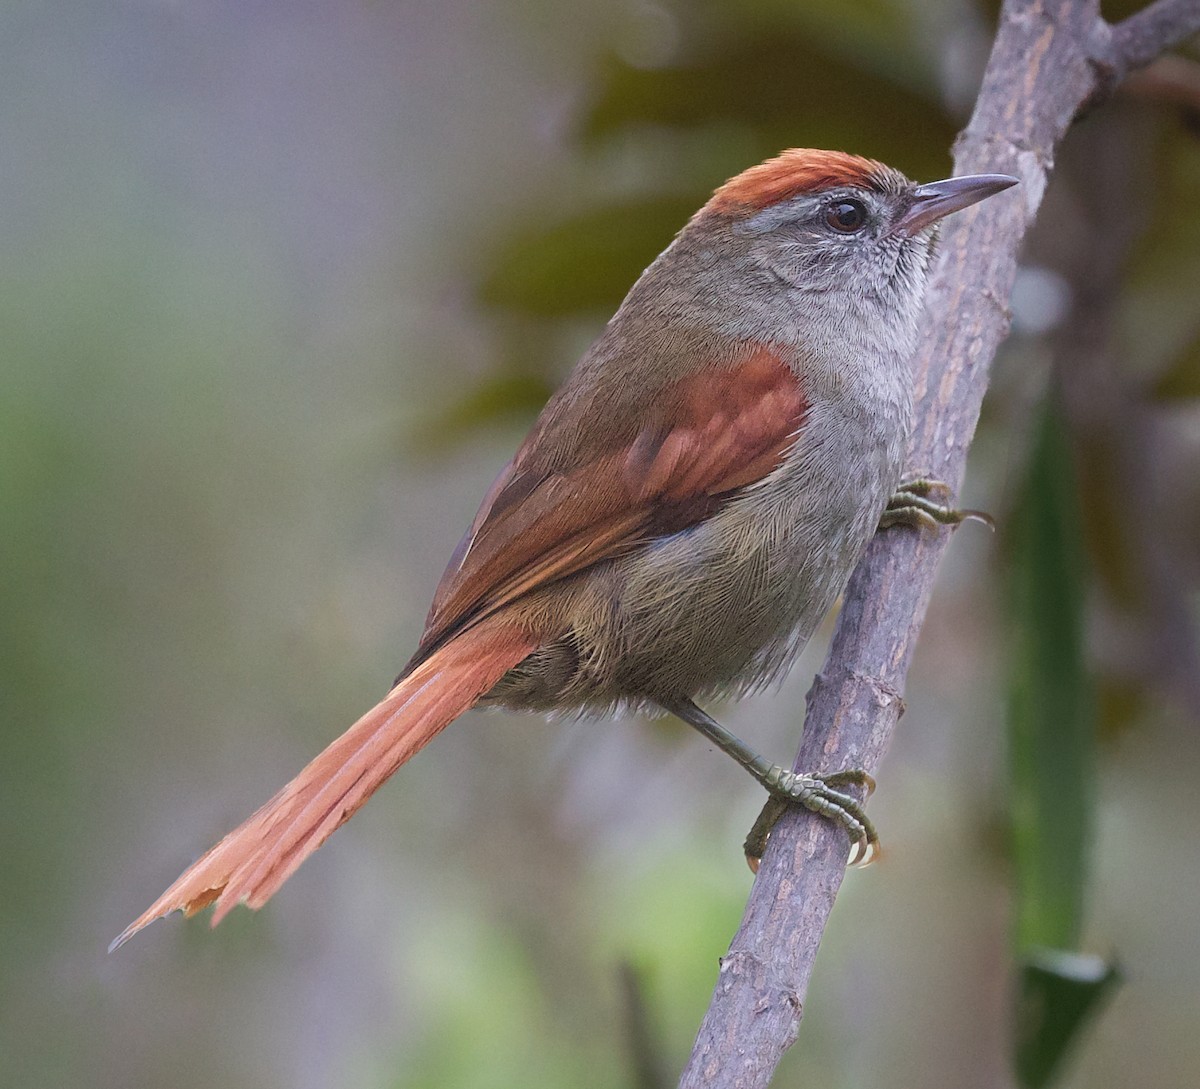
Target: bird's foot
[920, 502]
[822, 795]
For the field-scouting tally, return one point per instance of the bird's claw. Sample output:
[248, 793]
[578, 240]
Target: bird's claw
[820, 794]
[920, 502]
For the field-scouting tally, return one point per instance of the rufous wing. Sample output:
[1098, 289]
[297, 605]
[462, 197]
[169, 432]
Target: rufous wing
[694, 445]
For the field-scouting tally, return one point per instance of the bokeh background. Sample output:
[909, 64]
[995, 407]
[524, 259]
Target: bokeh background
[282, 286]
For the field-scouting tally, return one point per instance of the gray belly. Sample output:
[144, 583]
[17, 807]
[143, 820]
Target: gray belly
[725, 605]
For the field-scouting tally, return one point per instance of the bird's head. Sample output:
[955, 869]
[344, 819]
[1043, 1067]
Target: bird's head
[818, 222]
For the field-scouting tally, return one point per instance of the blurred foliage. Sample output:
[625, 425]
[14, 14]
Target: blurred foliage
[767, 82]
[1160, 337]
[490, 1022]
[1059, 994]
[586, 261]
[1051, 706]
[508, 394]
[238, 240]
[1181, 380]
[1052, 746]
[1128, 350]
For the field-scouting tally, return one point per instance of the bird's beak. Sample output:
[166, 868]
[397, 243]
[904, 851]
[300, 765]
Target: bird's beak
[937, 199]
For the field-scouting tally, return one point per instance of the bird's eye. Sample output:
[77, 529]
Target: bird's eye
[846, 216]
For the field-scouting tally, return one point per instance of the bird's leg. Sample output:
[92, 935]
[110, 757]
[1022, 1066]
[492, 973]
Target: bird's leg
[917, 503]
[816, 792]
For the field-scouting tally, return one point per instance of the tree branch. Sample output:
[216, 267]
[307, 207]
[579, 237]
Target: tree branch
[1051, 58]
[1152, 31]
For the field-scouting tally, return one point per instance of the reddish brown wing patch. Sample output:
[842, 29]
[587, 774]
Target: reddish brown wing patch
[702, 440]
[799, 170]
[727, 429]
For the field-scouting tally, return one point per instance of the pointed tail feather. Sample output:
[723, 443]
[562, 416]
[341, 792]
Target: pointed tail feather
[252, 862]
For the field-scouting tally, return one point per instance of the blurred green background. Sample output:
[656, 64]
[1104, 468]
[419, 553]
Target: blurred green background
[283, 285]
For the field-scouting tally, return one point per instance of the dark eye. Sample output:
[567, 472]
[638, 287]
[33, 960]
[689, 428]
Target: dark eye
[846, 216]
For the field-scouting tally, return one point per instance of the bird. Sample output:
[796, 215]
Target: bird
[685, 510]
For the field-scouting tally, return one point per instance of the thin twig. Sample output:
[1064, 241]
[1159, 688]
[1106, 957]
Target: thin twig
[1049, 60]
[1152, 31]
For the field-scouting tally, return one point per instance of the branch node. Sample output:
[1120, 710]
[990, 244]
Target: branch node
[772, 989]
[881, 694]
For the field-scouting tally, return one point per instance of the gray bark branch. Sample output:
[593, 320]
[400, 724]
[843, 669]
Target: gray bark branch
[1050, 60]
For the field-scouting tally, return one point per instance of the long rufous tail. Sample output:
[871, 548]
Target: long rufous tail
[253, 861]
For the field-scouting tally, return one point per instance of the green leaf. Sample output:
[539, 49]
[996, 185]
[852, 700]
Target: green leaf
[1052, 728]
[1061, 993]
[1051, 721]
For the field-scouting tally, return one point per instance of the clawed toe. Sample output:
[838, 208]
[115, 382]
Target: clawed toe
[916, 503]
[818, 793]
